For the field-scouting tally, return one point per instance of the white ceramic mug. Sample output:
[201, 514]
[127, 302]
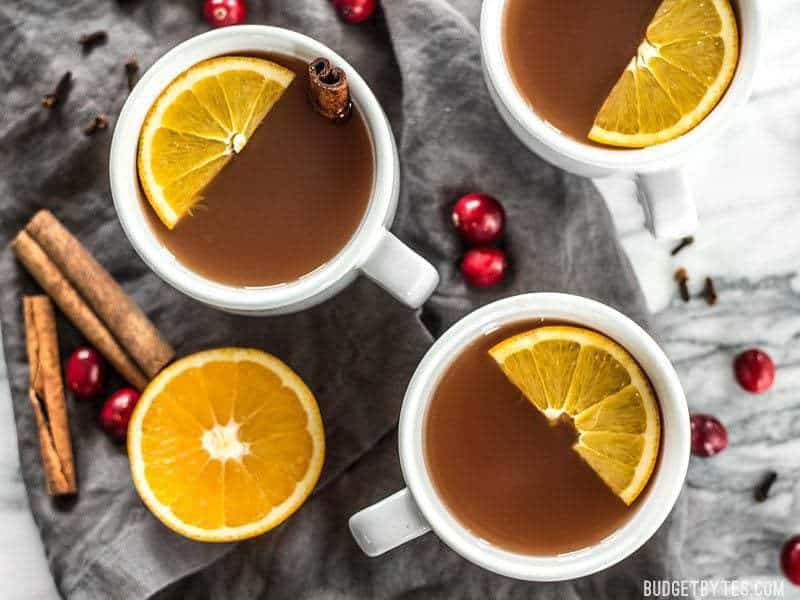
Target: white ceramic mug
[418, 509]
[372, 250]
[665, 196]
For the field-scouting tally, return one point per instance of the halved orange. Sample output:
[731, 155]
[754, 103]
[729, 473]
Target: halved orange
[225, 444]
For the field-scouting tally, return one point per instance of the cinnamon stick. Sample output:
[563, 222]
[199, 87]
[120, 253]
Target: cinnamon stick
[125, 320]
[329, 90]
[46, 393]
[47, 274]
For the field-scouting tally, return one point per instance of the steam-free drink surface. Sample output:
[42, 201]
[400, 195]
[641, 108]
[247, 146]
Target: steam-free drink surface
[287, 204]
[503, 470]
[566, 55]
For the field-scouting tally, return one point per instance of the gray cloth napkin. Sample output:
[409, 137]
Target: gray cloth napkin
[357, 351]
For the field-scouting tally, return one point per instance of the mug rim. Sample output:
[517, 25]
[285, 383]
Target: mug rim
[666, 483]
[316, 285]
[498, 75]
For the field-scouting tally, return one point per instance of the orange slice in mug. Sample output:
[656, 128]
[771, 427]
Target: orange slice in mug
[198, 123]
[591, 379]
[680, 72]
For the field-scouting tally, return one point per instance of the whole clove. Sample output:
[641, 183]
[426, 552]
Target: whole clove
[131, 72]
[60, 93]
[682, 277]
[761, 493]
[710, 292]
[98, 123]
[687, 241]
[89, 41]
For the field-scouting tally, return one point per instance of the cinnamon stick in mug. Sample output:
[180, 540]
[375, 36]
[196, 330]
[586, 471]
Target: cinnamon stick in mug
[46, 393]
[329, 90]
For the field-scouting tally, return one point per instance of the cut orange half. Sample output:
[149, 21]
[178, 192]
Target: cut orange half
[680, 72]
[587, 376]
[225, 444]
[198, 123]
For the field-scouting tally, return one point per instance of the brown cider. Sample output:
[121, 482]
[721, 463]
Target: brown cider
[503, 470]
[287, 204]
[566, 55]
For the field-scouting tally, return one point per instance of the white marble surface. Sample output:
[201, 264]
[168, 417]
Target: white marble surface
[748, 192]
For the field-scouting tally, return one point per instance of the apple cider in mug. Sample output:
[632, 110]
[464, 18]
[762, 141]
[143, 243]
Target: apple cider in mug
[625, 73]
[249, 185]
[541, 437]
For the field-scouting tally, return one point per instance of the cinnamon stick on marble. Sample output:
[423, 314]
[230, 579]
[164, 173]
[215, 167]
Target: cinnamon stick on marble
[46, 393]
[329, 90]
[47, 274]
[108, 300]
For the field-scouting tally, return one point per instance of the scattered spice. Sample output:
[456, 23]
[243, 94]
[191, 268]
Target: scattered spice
[117, 310]
[99, 123]
[761, 492]
[681, 276]
[709, 292]
[60, 93]
[91, 299]
[53, 281]
[46, 393]
[329, 91]
[89, 41]
[131, 72]
[687, 241]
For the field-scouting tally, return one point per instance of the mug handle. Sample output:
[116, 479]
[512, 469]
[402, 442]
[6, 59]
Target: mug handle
[388, 524]
[400, 271]
[669, 208]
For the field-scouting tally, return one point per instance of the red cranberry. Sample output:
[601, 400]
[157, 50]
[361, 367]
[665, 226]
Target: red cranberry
[484, 267]
[790, 559]
[355, 11]
[709, 436]
[116, 413]
[220, 13]
[479, 219]
[86, 372]
[754, 370]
